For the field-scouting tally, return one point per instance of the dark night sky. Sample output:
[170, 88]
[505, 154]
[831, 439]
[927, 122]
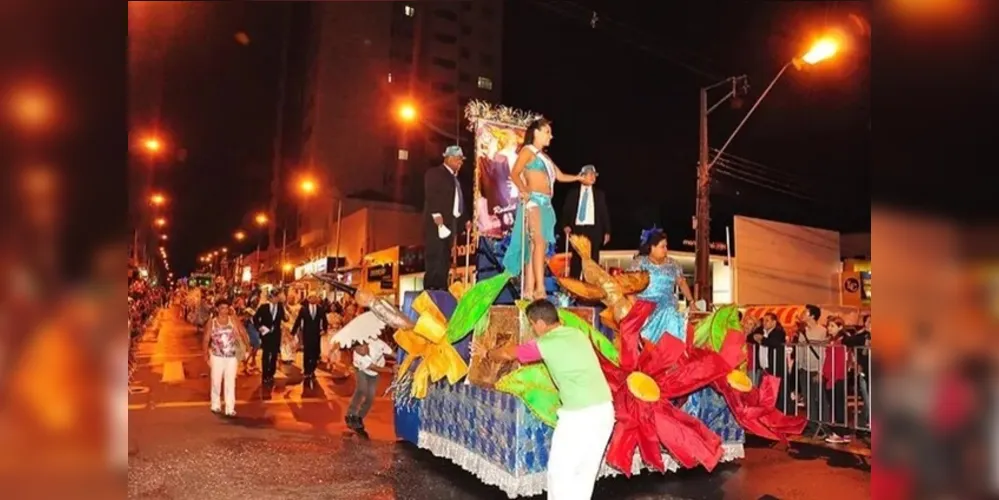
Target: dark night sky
[622, 96]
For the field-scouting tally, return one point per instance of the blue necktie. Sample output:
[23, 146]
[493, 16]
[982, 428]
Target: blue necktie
[584, 199]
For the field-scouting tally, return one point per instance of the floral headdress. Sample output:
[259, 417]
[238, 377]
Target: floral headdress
[647, 235]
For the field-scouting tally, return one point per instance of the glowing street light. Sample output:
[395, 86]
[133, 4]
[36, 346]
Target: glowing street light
[152, 144]
[225, 250]
[239, 235]
[164, 237]
[32, 108]
[308, 186]
[160, 222]
[407, 113]
[157, 199]
[261, 219]
[287, 267]
[821, 50]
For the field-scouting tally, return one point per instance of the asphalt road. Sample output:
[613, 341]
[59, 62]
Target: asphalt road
[292, 443]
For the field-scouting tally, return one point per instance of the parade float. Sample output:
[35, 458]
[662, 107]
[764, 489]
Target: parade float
[496, 419]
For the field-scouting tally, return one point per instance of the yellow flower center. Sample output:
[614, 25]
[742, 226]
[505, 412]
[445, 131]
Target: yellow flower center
[643, 387]
[739, 381]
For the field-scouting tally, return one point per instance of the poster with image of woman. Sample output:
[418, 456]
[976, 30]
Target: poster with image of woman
[495, 153]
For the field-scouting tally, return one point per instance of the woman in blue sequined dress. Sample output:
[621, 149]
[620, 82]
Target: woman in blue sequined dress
[665, 275]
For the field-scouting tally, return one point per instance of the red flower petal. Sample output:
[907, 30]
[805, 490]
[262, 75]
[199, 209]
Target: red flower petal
[698, 370]
[733, 348]
[621, 449]
[666, 353]
[629, 329]
[686, 438]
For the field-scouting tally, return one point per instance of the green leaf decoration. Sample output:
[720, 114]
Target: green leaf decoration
[534, 386]
[601, 342]
[474, 304]
[481, 326]
[713, 329]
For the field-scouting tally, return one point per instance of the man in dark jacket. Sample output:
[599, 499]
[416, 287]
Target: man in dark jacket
[443, 208]
[585, 212]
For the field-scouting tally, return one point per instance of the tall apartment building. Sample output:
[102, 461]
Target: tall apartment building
[367, 59]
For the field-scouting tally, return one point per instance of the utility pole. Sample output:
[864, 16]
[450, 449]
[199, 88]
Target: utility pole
[702, 221]
[702, 228]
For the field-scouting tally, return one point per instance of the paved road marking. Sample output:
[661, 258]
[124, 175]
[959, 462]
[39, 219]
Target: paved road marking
[173, 372]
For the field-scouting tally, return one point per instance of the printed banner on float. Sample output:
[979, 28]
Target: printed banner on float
[496, 198]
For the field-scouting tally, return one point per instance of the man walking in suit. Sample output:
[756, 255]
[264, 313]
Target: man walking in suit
[312, 322]
[268, 319]
[585, 212]
[443, 209]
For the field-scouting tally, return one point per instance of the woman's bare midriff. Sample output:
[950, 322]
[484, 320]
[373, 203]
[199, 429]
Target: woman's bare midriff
[537, 182]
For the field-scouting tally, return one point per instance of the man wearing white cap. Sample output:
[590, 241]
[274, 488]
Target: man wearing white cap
[443, 209]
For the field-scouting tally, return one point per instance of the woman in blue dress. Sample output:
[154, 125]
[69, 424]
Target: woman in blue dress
[665, 275]
[534, 174]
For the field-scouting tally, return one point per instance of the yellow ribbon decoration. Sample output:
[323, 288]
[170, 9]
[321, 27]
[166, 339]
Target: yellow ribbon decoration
[428, 340]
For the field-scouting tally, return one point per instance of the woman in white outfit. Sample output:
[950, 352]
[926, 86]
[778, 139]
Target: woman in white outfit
[225, 344]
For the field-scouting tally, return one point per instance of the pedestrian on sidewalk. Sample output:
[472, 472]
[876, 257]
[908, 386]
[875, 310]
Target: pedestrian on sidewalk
[369, 361]
[586, 419]
[225, 342]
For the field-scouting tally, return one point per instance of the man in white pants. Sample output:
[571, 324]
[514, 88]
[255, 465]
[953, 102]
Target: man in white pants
[586, 419]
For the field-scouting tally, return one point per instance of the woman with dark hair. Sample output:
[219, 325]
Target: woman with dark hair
[665, 274]
[224, 345]
[534, 174]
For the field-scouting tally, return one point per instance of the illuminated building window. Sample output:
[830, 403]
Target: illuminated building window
[403, 154]
[409, 10]
[485, 83]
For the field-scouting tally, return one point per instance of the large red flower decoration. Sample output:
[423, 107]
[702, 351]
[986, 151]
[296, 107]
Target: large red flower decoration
[648, 377]
[753, 407]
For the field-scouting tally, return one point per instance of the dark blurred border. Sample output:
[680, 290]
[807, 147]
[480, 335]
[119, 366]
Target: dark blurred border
[75, 53]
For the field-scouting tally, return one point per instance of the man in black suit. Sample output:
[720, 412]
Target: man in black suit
[443, 209]
[312, 322]
[767, 344]
[585, 212]
[268, 319]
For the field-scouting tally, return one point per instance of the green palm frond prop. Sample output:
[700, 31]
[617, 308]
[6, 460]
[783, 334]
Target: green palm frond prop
[713, 329]
[604, 346]
[534, 386]
[474, 304]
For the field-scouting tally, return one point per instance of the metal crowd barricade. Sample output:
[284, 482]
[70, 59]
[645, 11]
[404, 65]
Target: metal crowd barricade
[829, 383]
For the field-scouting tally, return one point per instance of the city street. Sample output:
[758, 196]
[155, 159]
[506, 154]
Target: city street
[292, 443]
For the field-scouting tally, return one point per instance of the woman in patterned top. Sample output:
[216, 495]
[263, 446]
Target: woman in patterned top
[225, 342]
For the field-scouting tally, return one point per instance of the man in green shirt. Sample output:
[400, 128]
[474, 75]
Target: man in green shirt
[586, 419]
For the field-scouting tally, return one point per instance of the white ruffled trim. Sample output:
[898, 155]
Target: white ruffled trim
[534, 483]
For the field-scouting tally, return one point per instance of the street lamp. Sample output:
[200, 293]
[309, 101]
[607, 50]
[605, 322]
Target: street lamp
[157, 199]
[308, 186]
[407, 113]
[32, 108]
[821, 50]
[160, 222]
[152, 145]
[261, 219]
[164, 237]
[239, 235]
